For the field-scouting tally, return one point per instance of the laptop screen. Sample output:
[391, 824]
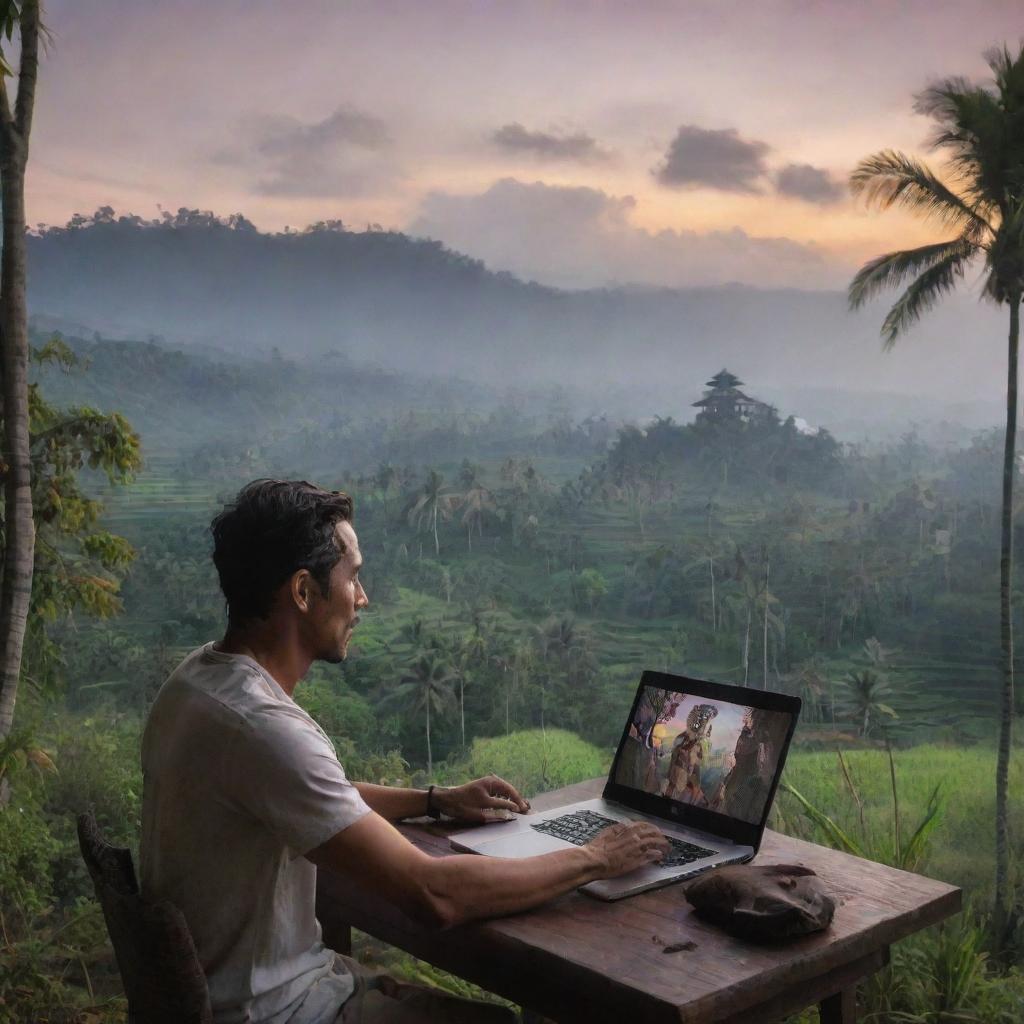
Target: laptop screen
[709, 753]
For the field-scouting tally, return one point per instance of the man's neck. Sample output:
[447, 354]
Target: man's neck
[286, 662]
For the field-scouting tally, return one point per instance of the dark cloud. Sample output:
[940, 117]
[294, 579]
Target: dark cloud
[577, 237]
[289, 137]
[549, 145]
[710, 158]
[812, 184]
[345, 154]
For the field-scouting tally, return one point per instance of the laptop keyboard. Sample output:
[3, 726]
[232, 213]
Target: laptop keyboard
[580, 827]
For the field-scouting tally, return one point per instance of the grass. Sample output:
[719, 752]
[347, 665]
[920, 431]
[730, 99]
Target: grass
[962, 849]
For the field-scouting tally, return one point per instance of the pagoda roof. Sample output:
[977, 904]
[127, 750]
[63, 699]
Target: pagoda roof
[724, 379]
[733, 394]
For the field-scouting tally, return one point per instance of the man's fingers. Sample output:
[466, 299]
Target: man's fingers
[505, 805]
[499, 787]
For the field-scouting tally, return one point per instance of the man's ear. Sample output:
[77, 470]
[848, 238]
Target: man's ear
[302, 590]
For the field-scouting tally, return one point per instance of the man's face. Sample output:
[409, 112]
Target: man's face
[333, 618]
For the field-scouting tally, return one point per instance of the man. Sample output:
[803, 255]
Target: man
[244, 796]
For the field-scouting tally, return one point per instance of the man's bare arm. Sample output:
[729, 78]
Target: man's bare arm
[393, 802]
[445, 891]
[473, 802]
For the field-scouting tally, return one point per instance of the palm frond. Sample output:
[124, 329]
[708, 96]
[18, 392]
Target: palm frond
[839, 838]
[1007, 70]
[980, 127]
[890, 270]
[1006, 257]
[924, 293]
[890, 178]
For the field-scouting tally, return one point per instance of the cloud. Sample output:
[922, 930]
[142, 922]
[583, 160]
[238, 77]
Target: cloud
[347, 153]
[549, 145]
[802, 181]
[577, 237]
[710, 158]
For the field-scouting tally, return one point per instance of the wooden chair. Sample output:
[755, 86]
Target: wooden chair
[155, 953]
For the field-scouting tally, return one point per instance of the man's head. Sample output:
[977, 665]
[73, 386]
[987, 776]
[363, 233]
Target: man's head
[286, 548]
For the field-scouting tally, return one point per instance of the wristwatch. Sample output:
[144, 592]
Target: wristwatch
[433, 811]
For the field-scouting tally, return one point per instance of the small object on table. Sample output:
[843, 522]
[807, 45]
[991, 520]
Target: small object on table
[763, 902]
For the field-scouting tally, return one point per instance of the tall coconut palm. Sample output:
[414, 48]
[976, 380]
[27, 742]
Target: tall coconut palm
[430, 503]
[472, 654]
[18, 534]
[475, 499]
[981, 129]
[427, 688]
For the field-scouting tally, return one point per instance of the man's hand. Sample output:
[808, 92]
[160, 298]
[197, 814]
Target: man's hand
[489, 799]
[627, 846]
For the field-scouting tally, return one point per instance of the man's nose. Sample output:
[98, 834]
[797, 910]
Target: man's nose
[362, 600]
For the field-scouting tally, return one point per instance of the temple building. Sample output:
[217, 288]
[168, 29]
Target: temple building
[725, 401]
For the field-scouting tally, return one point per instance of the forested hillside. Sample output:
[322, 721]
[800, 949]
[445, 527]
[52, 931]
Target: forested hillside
[524, 566]
[407, 303]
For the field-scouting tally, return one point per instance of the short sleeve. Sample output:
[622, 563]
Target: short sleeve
[283, 771]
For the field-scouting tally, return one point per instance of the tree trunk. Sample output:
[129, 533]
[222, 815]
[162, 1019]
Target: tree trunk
[430, 756]
[462, 709]
[437, 543]
[1006, 631]
[19, 528]
[714, 618]
[746, 647]
[764, 681]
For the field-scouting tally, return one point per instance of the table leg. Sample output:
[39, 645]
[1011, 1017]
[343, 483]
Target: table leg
[839, 1008]
[337, 932]
[337, 935]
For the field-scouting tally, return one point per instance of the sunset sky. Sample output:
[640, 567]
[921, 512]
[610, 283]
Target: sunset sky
[578, 143]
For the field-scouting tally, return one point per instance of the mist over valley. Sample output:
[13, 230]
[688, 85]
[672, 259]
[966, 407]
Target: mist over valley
[411, 305]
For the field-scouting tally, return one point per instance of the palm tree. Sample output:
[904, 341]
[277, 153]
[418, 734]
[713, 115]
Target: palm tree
[385, 477]
[746, 602]
[428, 504]
[476, 499]
[471, 654]
[18, 526]
[981, 128]
[428, 688]
[866, 698]
[705, 552]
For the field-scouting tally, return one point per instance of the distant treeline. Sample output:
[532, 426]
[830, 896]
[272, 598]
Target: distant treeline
[415, 304]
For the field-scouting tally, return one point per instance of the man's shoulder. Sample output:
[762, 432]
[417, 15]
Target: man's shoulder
[208, 684]
[239, 687]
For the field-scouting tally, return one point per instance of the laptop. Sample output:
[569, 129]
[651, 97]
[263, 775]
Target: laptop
[698, 759]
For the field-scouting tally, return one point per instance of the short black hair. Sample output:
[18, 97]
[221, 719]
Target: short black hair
[270, 531]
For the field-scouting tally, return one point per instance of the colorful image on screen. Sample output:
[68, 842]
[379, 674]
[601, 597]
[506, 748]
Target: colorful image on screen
[709, 753]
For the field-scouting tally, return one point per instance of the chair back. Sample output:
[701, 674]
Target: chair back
[162, 976]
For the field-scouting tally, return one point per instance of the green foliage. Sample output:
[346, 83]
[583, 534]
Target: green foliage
[959, 849]
[78, 563]
[377, 955]
[942, 976]
[27, 849]
[54, 952]
[10, 19]
[533, 761]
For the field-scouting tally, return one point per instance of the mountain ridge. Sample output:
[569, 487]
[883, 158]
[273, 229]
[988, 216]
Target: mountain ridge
[409, 303]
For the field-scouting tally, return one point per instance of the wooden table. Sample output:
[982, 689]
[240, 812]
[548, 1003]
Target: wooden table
[580, 959]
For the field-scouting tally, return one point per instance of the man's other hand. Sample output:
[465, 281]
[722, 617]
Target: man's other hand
[627, 846]
[488, 799]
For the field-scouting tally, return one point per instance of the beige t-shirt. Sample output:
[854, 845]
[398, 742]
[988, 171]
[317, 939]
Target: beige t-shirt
[239, 783]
